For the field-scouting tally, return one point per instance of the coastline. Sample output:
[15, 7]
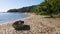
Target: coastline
[12, 21]
[38, 25]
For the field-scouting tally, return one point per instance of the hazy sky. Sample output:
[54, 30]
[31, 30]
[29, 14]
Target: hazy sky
[11, 4]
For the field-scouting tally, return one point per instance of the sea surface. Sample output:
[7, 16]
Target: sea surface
[4, 17]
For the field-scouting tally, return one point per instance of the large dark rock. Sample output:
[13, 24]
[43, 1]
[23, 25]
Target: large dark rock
[19, 25]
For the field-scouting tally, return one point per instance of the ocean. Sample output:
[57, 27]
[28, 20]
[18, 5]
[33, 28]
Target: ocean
[4, 17]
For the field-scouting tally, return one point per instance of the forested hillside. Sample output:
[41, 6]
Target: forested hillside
[47, 7]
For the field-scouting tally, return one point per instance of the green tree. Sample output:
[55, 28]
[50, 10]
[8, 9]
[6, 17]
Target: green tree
[48, 5]
[13, 10]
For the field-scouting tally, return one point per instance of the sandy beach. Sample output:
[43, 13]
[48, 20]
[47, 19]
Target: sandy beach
[38, 25]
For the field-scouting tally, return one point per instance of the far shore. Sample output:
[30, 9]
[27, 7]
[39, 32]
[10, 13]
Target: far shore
[38, 25]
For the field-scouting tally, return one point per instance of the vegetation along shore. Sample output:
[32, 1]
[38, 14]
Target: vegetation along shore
[47, 7]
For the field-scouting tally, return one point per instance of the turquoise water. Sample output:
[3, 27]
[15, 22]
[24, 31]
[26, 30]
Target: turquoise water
[11, 16]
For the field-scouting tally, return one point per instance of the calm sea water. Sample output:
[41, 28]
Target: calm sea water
[4, 17]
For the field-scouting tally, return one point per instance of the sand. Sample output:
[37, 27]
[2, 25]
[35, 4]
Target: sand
[38, 25]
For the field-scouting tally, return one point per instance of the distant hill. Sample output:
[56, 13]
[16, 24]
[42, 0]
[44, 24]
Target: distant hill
[24, 9]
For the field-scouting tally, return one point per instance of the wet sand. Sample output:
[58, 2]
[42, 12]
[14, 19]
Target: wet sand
[38, 25]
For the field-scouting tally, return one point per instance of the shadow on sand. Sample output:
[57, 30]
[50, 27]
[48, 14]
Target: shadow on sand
[50, 17]
[25, 27]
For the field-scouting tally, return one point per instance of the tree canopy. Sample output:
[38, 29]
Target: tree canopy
[47, 7]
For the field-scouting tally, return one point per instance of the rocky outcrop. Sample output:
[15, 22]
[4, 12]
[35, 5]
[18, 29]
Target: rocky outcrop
[19, 25]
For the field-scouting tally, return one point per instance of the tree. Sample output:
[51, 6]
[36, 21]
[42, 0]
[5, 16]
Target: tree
[56, 6]
[13, 10]
[48, 5]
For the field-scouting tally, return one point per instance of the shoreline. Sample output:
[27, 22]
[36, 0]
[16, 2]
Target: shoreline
[38, 25]
[12, 21]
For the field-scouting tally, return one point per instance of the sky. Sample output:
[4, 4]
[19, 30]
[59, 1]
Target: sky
[12, 4]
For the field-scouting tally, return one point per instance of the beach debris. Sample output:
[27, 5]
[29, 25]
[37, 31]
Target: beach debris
[19, 25]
